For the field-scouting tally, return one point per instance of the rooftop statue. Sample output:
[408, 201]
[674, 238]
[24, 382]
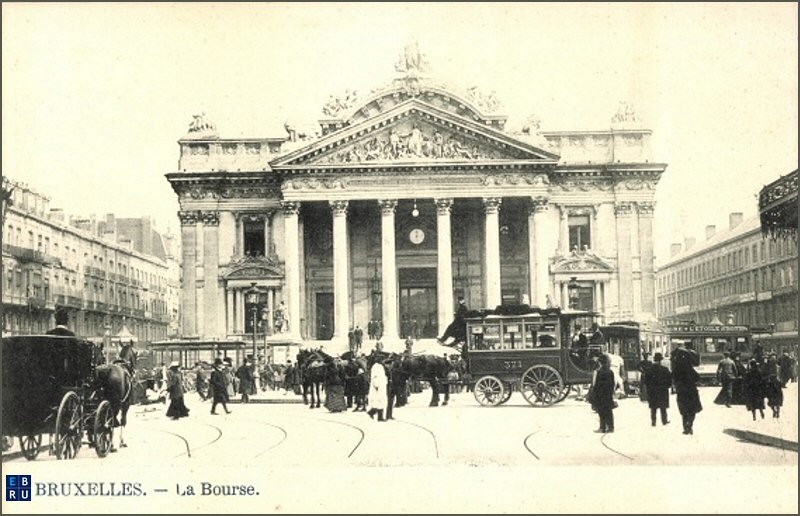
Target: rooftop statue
[625, 113]
[412, 62]
[486, 102]
[201, 125]
[339, 104]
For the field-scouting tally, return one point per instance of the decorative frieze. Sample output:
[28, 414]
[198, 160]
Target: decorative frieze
[492, 204]
[209, 218]
[516, 179]
[249, 216]
[444, 206]
[585, 185]
[315, 184]
[646, 208]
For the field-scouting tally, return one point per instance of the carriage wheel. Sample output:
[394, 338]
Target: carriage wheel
[541, 385]
[69, 427]
[103, 429]
[30, 445]
[489, 391]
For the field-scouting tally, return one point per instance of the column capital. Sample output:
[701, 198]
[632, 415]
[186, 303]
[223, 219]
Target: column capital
[492, 204]
[645, 208]
[339, 207]
[538, 205]
[188, 218]
[388, 206]
[249, 216]
[444, 206]
[290, 207]
[209, 218]
[624, 208]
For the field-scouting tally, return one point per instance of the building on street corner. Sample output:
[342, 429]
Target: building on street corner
[105, 273]
[402, 200]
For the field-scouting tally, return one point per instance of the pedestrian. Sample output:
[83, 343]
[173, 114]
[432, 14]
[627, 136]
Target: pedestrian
[334, 386]
[177, 409]
[358, 336]
[643, 367]
[200, 380]
[685, 378]
[378, 399]
[288, 378]
[786, 366]
[218, 387]
[603, 395]
[246, 381]
[409, 346]
[230, 377]
[754, 389]
[597, 338]
[658, 380]
[456, 329]
[397, 386]
[772, 385]
[726, 374]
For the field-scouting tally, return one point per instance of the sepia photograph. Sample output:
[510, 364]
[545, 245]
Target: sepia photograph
[426, 258]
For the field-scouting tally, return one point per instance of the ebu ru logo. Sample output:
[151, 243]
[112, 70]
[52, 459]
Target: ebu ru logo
[18, 488]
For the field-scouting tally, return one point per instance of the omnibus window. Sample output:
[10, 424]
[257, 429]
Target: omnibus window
[491, 336]
[547, 336]
[711, 346]
[512, 338]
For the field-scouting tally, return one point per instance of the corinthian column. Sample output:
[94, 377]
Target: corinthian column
[540, 275]
[563, 231]
[493, 294]
[388, 269]
[623, 212]
[341, 284]
[291, 211]
[444, 270]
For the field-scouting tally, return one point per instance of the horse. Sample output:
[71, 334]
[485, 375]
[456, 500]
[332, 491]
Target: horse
[115, 384]
[311, 365]
[431, 368]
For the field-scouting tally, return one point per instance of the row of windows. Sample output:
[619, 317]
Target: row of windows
[766, 278]
[85, 324]
[758, 252]
[69, 257]
[755, 314]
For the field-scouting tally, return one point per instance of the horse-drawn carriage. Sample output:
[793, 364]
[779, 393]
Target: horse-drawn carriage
[527, 350]
[50, 387]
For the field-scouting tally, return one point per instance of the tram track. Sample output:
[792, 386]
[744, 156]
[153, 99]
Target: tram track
[433, 435]
[525, 444]
[185, 441]
[354, 427]
[282, 430]
[609, 448]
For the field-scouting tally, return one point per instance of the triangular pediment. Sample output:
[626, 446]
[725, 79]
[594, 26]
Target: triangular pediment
[580, 261]
[414, 132]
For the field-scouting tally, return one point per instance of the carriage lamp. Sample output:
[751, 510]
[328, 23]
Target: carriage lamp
[252, 298]
[573, 291]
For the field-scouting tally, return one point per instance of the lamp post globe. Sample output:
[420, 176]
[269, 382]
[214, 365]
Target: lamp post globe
[573, 292]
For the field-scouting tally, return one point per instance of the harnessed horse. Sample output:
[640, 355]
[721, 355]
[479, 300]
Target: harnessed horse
[115, 384]
[312, 374]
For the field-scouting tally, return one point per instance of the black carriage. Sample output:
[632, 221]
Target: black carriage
[49, 388]
[528, 352]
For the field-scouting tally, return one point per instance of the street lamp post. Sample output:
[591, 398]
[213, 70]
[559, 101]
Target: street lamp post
[573, 291]
[252, 298]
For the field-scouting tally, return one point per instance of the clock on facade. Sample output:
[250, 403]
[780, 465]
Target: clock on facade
[417, 236]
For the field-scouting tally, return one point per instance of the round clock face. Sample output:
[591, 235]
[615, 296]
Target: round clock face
[417, 236]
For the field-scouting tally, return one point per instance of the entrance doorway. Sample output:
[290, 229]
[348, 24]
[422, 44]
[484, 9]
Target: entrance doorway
[324, 315]
[418, 303]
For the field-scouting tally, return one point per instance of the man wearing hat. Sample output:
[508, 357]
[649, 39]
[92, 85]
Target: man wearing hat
[62, 319]
[219, 387]
[658, 381]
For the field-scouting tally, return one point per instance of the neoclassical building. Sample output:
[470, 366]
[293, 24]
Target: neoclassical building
[403, 200]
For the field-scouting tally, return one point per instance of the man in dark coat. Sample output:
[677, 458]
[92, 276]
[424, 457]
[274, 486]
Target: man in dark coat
[62, 320]
[458, 328]
[358, 336]
[246, 381]
[396, 387]
[219, 388]
[658, 381]
[754, 389]
[603, 395]
[786, 367]
[598, 339]
[685, 378]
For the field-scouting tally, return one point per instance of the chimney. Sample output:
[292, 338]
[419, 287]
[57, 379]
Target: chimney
[674, 249]
[710, 230]
[57, 214]
[735, 219]
[688, 243]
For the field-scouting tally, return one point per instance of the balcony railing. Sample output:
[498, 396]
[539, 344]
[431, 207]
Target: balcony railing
[24, 254]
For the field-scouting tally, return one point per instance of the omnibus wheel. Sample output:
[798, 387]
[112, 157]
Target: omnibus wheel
[30, 445]
[103, 429]
[489, 391]
[69, 427]
[541, 385]
[564, 393]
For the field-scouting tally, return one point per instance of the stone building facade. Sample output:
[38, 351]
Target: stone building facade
[403, 200]
[96, 270]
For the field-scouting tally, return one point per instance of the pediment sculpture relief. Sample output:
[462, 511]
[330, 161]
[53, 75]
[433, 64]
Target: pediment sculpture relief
[412, 141]
[583, 260]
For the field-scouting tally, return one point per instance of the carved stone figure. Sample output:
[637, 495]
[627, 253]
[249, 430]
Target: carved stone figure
[201, 125]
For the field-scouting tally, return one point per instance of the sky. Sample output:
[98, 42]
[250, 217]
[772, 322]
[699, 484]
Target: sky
[95, 96]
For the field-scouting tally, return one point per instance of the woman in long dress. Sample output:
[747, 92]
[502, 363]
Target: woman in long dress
[754, 389]
[334, 388]
[378, 398]
[177, 409]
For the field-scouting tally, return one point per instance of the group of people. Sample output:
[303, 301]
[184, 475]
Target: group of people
[762, 378]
